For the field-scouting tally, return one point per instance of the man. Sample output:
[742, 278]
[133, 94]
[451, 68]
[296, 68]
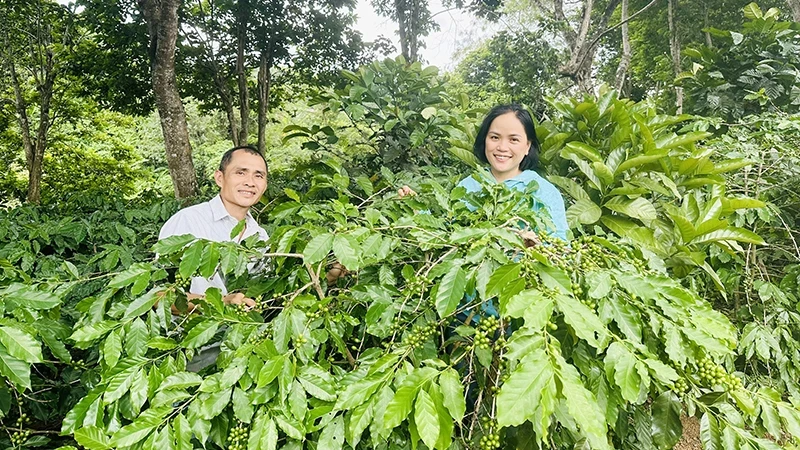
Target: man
[242, 179]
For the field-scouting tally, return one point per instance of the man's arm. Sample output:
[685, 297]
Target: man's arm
[236, 298]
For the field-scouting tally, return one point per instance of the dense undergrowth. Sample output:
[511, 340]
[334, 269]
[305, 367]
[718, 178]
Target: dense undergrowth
[677, 294]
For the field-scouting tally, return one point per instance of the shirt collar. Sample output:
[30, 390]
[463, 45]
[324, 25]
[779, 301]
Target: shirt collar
[524, 178]
[218, 211]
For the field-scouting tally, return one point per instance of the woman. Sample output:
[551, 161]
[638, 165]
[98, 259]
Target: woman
[507, 142]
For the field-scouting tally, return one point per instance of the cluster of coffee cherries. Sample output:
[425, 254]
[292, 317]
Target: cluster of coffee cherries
[417, 286]
[491, 439]
[420, 334]
[262, 303]
[485, 331]
[237, 437]
[501, 375]
[258, 337]
[300, 339]
[20, 436]
[242, 308]
[681, 386]
[323, 310]
[528, 271]
[581, 254]
[576, 286]
[590, 255]
[715, 375]
[181, 282]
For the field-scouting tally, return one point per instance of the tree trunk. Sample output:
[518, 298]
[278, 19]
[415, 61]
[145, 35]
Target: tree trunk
[208, 42]
[162, 24]
[705, 26]
[243, 20]
[402, 20]
[264, 84]
[35, 148]
[33, 159]
[558, 14]
[45, 99]
[625, 59]
[583, 48]
[22, 114]
[675, 51]
[794, 5]
[227, 103]
[413, 31]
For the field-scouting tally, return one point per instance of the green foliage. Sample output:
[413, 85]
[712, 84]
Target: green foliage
[404, 349]
[763, 281]
[114, 65]
[510, 67]
[97, 237]
[447, 330]
[747, 72]
[651, 73]
[303, 42]
[72, 247]
[402, 116]
[106, 170]
[643, 177]
[95, 153]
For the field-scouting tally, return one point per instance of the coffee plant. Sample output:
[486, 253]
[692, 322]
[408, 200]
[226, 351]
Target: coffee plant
[395, 115]
[748, 71]
[763, 280]
[446, 331]
[646, 178]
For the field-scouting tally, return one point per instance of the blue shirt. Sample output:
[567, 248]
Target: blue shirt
[547, 197]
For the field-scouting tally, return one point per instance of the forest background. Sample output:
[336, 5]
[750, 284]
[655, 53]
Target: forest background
[670, 126]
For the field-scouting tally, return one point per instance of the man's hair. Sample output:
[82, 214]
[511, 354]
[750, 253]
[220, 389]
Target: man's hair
[228, 156]
[531, 160]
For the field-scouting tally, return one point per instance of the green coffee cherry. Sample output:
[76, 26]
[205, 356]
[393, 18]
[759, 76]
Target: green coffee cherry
[238, 436]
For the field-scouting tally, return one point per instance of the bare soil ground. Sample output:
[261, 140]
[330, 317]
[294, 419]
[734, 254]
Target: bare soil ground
[690, 440]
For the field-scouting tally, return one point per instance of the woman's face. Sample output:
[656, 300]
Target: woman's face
[506, 145]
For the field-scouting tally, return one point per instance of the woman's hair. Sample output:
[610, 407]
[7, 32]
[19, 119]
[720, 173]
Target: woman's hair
[531, 160]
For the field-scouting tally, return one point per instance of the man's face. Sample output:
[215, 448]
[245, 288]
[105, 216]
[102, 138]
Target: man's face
[243, 182]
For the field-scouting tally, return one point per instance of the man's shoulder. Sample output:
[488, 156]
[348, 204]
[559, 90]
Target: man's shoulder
[200, 211]
[186, 220]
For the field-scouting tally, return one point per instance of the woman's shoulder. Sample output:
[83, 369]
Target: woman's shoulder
[470, 183]
[546, 188]
[527, 176]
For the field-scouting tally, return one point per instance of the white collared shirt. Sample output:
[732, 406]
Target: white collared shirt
[209, 220]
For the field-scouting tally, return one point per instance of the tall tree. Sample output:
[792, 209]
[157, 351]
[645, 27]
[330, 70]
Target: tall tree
[228, 41]
[162, 23]
[794, 7]
[675, 50]
[659, 42]
[625, 60]
[581, 36]
[414, 22]
[516, 67]
[215, 48]
[114, 63]
[35, 38]
[583, 27]
[242, 25]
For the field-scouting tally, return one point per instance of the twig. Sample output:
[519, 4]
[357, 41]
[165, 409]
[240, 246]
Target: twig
[315, 280]
[610, 29]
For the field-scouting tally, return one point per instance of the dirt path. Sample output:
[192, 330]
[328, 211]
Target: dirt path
[690, 440]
